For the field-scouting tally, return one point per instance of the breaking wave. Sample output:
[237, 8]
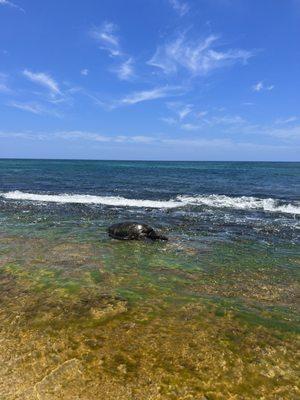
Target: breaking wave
[212, 201]
[90, 199]
[243, 203]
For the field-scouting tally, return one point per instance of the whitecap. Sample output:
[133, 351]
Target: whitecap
[242, 203]
[117, 201]
[211, 201]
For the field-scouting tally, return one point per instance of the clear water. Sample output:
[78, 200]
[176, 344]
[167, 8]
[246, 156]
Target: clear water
[211, 314]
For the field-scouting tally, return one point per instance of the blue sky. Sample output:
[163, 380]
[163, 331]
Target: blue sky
[150, 79]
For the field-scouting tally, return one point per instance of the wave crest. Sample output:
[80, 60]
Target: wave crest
[242, 203]
[91, 199]
[212, 201]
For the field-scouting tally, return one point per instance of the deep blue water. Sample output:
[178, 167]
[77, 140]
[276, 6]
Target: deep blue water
[159, 180]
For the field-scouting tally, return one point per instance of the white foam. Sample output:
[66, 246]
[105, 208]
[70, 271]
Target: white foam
[212, 201]
[242, 203]
[90, 199]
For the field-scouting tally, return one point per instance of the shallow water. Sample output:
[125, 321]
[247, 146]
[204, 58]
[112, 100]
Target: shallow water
[211, 314]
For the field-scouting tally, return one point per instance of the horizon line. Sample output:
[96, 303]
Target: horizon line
[141, 160]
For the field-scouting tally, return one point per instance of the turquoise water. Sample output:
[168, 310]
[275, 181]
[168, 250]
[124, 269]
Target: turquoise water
[211, 314]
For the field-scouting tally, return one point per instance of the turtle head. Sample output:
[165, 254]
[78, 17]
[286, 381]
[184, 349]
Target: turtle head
[154, 236]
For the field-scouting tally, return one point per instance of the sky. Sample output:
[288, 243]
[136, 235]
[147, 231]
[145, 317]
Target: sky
[150, 79]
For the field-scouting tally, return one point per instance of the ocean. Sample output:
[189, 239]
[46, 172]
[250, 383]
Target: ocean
[210, 314]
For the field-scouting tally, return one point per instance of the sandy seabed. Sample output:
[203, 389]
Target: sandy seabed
[111, 320]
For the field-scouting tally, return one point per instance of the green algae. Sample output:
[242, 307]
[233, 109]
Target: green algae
[149, 318]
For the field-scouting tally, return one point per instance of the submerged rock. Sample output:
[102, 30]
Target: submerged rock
[133, 231]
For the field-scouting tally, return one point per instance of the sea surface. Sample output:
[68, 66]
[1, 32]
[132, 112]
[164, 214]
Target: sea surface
[211, 314]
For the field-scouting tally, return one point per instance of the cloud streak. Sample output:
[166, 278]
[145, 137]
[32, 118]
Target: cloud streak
[198, 57]
[152, 94]
[106, 36]
[3, 83]
[260, 86]
[44, 80]
[125, 71]
[33, 107]
[180, 7]
[11, 4]
[190, 144]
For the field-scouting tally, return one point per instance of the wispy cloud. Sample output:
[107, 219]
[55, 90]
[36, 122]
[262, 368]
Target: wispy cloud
[259, 86]
[32, 107]
[180, 7]
[190, 127]
[11, 4]
[201, 114]
[187, 117]
[191, 145]
[85, 135]
[235, 124]
[106, 36]
[186, 110]
[181, 110]
[169, 120]
[84, 72]
[75, 135]
[3, 83]
[153, 94]
[198, 57]
[287, 133]
[125, 71]
[44, 80]
[3, 88]
[286, 120]
[227, 120]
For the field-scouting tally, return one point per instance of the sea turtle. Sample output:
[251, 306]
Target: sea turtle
[132, 230]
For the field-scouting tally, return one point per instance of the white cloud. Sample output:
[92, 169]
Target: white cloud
[11, 4]
[286, 120]
[84, 72]
[142, 139]
[80, 135]
[235, 124]
[146, 95]
[227, 120]
[126, 70]
[169, 120]
[107, 38]
[198, 57]
[190, 127]
[32, 107]
[180, 109]
[71, 135]
[3, 83]
[182, 113]
[291, 132]
[3, 88]
[185, 116]
[43, 79]
[259, 86]
[193, 145]
[201, 114]
[180, 7]
[96, 137]
[199, 142]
